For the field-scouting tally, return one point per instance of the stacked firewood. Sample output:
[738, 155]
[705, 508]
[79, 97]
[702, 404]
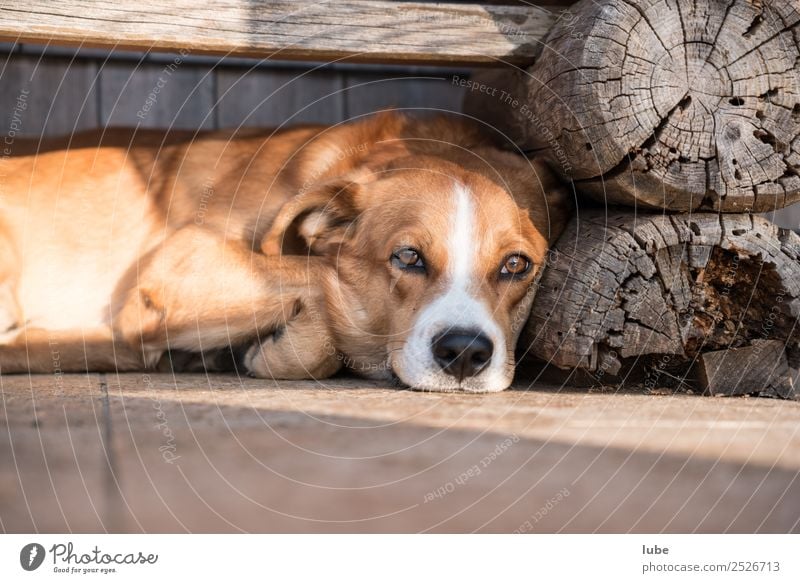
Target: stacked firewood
[681, 120]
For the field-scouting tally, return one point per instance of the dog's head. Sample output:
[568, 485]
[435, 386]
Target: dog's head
[437, 238]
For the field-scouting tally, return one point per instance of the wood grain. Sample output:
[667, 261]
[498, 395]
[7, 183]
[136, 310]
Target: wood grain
[681, 105]
[350, 456]
[736, 371]
[274, 98]
[423, 93]
[157, 96]
[364, 31]
[46, 97]
[627, 294]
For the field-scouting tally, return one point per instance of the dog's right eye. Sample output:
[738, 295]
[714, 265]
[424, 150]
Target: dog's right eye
[408, 258]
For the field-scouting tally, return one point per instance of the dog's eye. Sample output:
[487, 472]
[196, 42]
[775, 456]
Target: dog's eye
[407, 258]
[514, 266]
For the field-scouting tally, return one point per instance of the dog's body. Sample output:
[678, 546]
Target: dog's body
[364, 245]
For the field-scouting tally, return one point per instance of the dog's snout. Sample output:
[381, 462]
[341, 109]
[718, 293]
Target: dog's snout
[462, 353]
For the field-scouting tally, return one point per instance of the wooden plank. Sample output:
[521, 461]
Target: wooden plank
[220, 453]
[368, 93]
[760, 369]
[170, 95]
[363, 31]
[55, 466]
[270, 98]
[46, 97]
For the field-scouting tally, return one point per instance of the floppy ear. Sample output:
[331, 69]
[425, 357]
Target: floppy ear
[318, 218]
[553, 204]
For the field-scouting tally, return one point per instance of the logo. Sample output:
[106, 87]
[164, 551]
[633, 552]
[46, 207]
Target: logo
[31, 556]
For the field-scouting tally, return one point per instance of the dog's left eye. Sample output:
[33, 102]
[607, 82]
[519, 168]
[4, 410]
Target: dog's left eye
[407, 258]
[514, 266]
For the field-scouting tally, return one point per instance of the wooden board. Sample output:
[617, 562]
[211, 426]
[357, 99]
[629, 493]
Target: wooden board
[157, 453]
[46, 97]
[156, 95]
[421, 94]
[364, 31]
[273, 98]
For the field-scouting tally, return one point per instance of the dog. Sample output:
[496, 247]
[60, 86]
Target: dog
[397, 247]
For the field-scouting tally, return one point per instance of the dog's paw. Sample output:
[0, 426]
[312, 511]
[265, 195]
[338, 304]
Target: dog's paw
[10, 317]
[8, 321]
[289, 356]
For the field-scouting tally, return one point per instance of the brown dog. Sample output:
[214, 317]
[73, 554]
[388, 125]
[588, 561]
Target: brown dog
[392, 246]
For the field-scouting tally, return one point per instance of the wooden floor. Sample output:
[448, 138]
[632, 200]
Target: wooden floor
[221, 454]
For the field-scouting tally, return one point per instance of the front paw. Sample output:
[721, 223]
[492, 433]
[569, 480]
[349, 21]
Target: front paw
[8, 321]
[10, 316]
[289, 355]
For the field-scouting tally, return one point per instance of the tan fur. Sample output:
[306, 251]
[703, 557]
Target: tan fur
[129, 244]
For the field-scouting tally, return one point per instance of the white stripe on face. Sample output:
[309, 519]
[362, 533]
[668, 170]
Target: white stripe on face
[456, 308]
[462, 245]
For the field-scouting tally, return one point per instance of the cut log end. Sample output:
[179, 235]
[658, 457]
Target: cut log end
[655, 300]
[677, 105]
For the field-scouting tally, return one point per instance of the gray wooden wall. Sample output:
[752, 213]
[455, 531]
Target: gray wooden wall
[69, 90]
[55, 90]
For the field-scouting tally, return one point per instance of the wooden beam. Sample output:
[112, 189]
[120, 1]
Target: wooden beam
[357, 31]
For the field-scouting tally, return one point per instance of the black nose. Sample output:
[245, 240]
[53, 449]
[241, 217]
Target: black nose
[462, 353]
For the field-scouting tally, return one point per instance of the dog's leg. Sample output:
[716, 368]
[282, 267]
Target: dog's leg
[198, 292]
[35, 350]
[10, 313]
[301, 349]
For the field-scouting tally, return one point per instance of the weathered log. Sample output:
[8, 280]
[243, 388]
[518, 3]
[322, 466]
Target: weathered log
[639, 298]
[667, 104]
